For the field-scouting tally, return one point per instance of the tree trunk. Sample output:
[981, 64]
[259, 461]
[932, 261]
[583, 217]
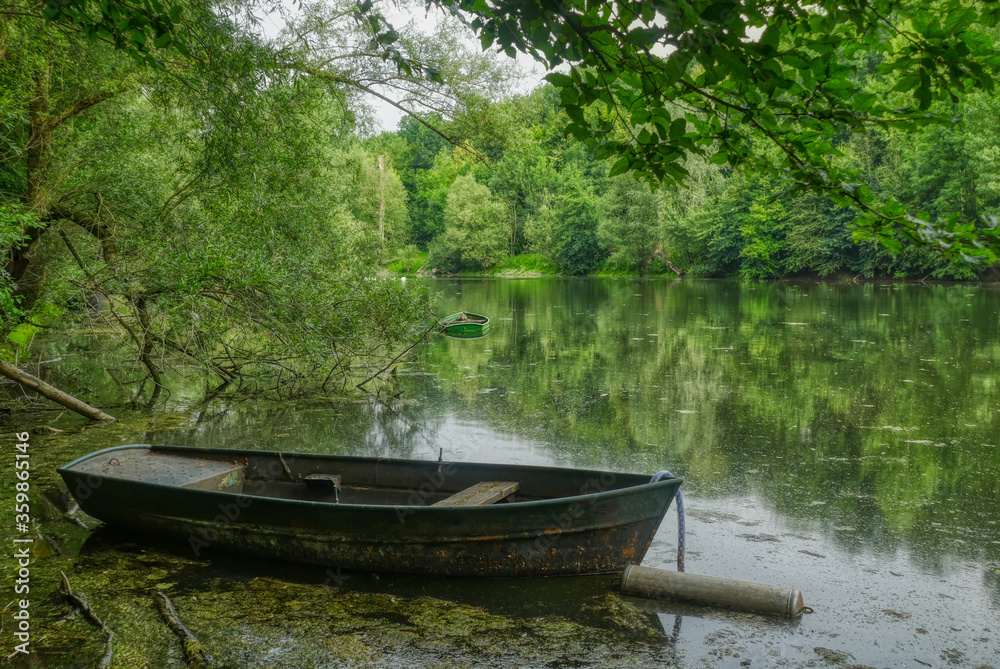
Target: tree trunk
[37, 149]
[39, 139]
[146, 347]
[52, 393]
[42, 123]
[666, 261]
[513, 229]
[381, 203]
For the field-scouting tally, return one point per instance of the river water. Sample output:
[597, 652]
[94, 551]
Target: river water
[841, 439]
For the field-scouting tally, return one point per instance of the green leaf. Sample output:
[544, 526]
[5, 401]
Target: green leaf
[575, 113]
[767, 120]
[891, 243]
[640, 116]
[923, 95]
[771, 36]
[907, 83]
[864, 101]
[893, 208]
[619, 167]
[559, 79]
[678, 128]
[718, 12]
[643, 36]
[979, 43]
[433, 74]
[959, 19]
[569, 97]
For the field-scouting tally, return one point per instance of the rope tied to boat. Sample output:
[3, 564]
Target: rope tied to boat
[679, 504]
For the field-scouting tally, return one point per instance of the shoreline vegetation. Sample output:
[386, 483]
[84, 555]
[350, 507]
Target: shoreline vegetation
[532, 266]
[532, 200]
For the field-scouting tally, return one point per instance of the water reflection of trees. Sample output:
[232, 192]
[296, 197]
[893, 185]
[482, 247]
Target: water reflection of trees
[881, 428]
[869, 407]
[363, 427]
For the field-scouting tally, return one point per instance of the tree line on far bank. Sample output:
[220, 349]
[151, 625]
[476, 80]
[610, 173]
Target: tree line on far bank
[529, 189]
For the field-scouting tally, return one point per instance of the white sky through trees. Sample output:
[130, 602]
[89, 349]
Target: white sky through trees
[399, 14]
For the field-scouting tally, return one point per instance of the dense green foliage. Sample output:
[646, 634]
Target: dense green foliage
[562, 204]
[217, 210]
[474, 222]
[652, 83]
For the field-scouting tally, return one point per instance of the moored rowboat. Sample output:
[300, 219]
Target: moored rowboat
[377, 514]
[466, 325]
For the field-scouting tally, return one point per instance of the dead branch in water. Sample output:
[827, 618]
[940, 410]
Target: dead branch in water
[399, 357]
[51, 392]
[194, 652]
[81, 603]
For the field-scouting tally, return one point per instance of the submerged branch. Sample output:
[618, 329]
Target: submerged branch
[194, 652]
[399, 357]
[81, 603]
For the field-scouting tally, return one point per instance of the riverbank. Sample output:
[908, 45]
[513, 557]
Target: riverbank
[532, 265]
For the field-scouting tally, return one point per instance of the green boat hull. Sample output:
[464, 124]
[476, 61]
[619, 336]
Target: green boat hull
[472, 326]
[560, 521]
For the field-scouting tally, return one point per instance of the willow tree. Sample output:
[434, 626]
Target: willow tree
[197, 187]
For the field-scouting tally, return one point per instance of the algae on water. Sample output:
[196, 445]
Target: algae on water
[262, 622]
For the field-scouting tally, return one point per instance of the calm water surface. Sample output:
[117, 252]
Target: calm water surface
[840, 439]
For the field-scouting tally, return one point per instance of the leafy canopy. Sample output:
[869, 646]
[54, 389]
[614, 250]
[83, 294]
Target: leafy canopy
[651, 82]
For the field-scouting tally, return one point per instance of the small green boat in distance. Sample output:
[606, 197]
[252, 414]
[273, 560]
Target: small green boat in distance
[465, 325]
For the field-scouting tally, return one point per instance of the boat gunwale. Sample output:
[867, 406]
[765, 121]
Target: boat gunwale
[445, 323]
[479, 510]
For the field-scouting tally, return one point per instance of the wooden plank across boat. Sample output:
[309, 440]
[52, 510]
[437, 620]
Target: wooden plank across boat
[377, 514]
[465, 325]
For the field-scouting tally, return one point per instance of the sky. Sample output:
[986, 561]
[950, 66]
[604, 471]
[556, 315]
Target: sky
[386, 116]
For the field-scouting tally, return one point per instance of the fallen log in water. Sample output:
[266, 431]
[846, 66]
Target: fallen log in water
[708, 590]
[51, 392]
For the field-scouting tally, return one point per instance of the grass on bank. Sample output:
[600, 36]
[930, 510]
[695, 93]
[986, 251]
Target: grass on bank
[410, 260]
[407, 260]
[532, 264]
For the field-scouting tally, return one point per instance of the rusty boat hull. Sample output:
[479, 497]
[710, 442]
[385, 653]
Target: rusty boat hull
[375, 514]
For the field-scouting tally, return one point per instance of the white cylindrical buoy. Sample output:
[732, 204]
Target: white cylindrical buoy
[723, 592]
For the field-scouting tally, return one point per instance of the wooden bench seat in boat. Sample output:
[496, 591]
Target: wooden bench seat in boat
[485, 492]
[322, 481]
